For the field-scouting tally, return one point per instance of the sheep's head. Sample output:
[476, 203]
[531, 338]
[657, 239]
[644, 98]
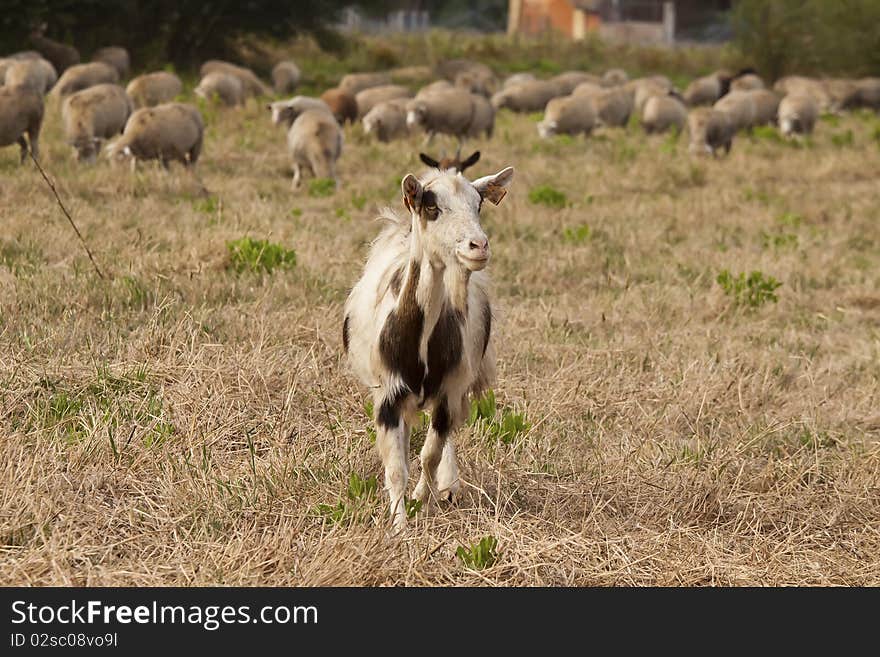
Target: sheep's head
[445, 208]
[117, 151]
[86, 149]
[416, 113]
[286, 111]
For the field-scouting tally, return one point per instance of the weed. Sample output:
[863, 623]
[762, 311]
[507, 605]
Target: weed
[479, 555]
[321, 187]
[248, 254]
[843, 139]
[549, 196]
[361, 494]
[753, 290]
[501, 427]
[577, 235]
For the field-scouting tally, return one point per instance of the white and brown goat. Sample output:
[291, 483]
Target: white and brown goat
[417, 327]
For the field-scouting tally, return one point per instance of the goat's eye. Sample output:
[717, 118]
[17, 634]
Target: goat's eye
[432, 212]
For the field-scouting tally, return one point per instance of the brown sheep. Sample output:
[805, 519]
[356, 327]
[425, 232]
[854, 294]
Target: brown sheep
[342, 104]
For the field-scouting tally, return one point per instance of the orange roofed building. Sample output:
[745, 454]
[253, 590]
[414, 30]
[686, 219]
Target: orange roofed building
[573, 18]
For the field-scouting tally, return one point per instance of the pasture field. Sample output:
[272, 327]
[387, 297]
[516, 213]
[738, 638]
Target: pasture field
[189, 419]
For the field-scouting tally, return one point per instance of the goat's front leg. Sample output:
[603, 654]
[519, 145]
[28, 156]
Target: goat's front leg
[392, 439]
[439, 470]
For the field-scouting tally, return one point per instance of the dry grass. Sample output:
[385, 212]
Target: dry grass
[180, 423]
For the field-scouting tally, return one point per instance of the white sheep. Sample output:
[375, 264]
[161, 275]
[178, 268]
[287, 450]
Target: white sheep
[21, 113]
[710, 130]
[93, 115]
[168, 132]
[387, 120]
[115, 56]
[285, 111]
[285, 77]
[369, 98]
[355, 82]
[314, 142]
[662, 113]
[225, 87]
[82, 76]
[531, 96]
[154, 89]
[35, 73]
[251, 84]
[417, 326]
[797, 114]
[568, 115]
[455, 112]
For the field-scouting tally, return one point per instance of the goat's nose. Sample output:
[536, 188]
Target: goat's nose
[479, 244]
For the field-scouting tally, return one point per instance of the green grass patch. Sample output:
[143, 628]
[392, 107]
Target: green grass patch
[358, 507]
[321, 187]
[751, 291]
[549, 196]
[248, 254]
[576, 234]
[500, 426]
[843, 139]
[480, 555]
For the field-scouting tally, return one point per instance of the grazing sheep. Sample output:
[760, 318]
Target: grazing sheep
[314, 142]
[707, 90]
[387, 120]
[21, 113]
[766, 106]
[5, 63]
[227, 88]
[115, 56]
[154, 89]
[454, 163]
[568, 115]
[168, 132]
[61, 56]
[517, 78]
[868, 93]
[476, 83]
[286, 111]
[797, 84]
[615, 77]
[411, 75]
[251, 84]
[613, 107]
[587, 89]
[747, 80]
[740, 107]
[93, 115]
[567, 82]
[526, 97]
[438, 85]
[450, 68]
[455, 112]
[709, 130]
[417, 326]
[37, 74]
[662, 113]
[369, 98]
[643, 89]
[797, 114]
[342, 104]
[355, 82]
[842, 92]
[285, 77]
[82, 76]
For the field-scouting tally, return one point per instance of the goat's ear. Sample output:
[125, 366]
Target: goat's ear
[471, 161]
[429, 161]
[494, 187]
[412, 192]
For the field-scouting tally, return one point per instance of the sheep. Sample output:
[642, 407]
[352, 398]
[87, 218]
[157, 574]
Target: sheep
[587, 89]
[740, 106]
[286, 111]
[369, 98]
[61, 56]
[417, 326]
[451, 68]
[796, 84]
[355, 82]
[707, 90]
[438, 85]
[285, 77]
[82, 76]
[5, 63]
[662, 113]
[709, 130]
[567, 82]
[154, 89]
[766, 106]
[526, 97]
[568, 115]
[613, 107]
[797, 114]
[747, 80]
[642, 89]
[37, 74]
[517, 78]
[342, 104]
[21, 113]
[476, 83]
[251, 84]
[455, 112]
[842, 92]
[387, 120]
[227, 88]
[614, 77]
[314, 142]
[93, 115]
[411, 75]
[115, 56]
[868, 93]
[167, 132]
[455, 163]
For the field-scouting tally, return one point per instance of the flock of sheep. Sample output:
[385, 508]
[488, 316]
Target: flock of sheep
[458, 98]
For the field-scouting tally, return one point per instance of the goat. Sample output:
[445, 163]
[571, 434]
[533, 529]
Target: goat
[417, 325]
[455, 163]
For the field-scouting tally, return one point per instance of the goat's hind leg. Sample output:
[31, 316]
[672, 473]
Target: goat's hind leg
[392, 439]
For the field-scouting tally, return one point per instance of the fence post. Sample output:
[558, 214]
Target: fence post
[669, 22]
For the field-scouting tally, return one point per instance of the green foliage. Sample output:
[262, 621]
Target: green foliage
[479, 555]
[808, 36]
[791, 219]
[321, 187]
[549, 196]
[576, 235]
[358, 201]
[752, 291]
[769, 133]
[361, 494]
[248, 254]
[503, 427]
[843, 139]
[778, 241]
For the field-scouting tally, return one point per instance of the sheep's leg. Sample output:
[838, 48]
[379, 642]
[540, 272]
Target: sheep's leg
[24, 148]
[297, 176]
[392, 440]
[134, 164]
